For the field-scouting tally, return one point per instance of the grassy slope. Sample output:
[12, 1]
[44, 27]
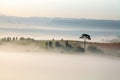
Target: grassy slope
[41, 43]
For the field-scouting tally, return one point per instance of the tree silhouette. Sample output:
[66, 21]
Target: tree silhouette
[85, 36]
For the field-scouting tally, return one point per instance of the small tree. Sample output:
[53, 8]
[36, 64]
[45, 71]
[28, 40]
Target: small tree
[85, 36]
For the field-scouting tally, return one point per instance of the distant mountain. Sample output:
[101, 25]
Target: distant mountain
[60, 22]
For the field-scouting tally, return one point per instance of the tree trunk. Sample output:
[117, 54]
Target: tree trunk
[84, 43]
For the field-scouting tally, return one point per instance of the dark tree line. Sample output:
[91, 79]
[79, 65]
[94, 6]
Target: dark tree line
[15, 38]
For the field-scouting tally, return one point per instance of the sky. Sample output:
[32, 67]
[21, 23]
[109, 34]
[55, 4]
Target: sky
[95, 9]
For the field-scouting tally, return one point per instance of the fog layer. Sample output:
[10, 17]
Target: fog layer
[52, 66]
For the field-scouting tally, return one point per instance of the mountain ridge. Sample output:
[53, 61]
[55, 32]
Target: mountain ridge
[60, 22]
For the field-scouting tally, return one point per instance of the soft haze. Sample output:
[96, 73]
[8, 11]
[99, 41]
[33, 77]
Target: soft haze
[98, 9]
[67, 28]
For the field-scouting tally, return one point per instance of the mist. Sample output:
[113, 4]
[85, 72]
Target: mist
[26, 62]
[59, 40]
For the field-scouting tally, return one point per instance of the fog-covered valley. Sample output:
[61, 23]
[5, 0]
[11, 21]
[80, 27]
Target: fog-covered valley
[29, 59]
[26, 62]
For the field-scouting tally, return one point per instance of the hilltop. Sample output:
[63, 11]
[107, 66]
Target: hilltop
[62, 46]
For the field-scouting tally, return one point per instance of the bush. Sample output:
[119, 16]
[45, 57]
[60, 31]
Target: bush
[94, 49]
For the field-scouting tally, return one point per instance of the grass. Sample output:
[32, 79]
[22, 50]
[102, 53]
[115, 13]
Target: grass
[75, 46]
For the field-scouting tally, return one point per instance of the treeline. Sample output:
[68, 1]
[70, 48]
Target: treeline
[15, 38]
[59, 44]
[64, 45]
[69, 46]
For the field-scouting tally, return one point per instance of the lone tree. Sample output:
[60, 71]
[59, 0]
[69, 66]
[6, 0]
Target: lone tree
[85, 36]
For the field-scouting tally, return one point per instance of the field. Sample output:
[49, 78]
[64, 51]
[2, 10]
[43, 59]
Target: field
[61, 46]
[33, 59]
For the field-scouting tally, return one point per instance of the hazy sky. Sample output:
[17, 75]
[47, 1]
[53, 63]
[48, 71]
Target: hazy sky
[98, 9]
